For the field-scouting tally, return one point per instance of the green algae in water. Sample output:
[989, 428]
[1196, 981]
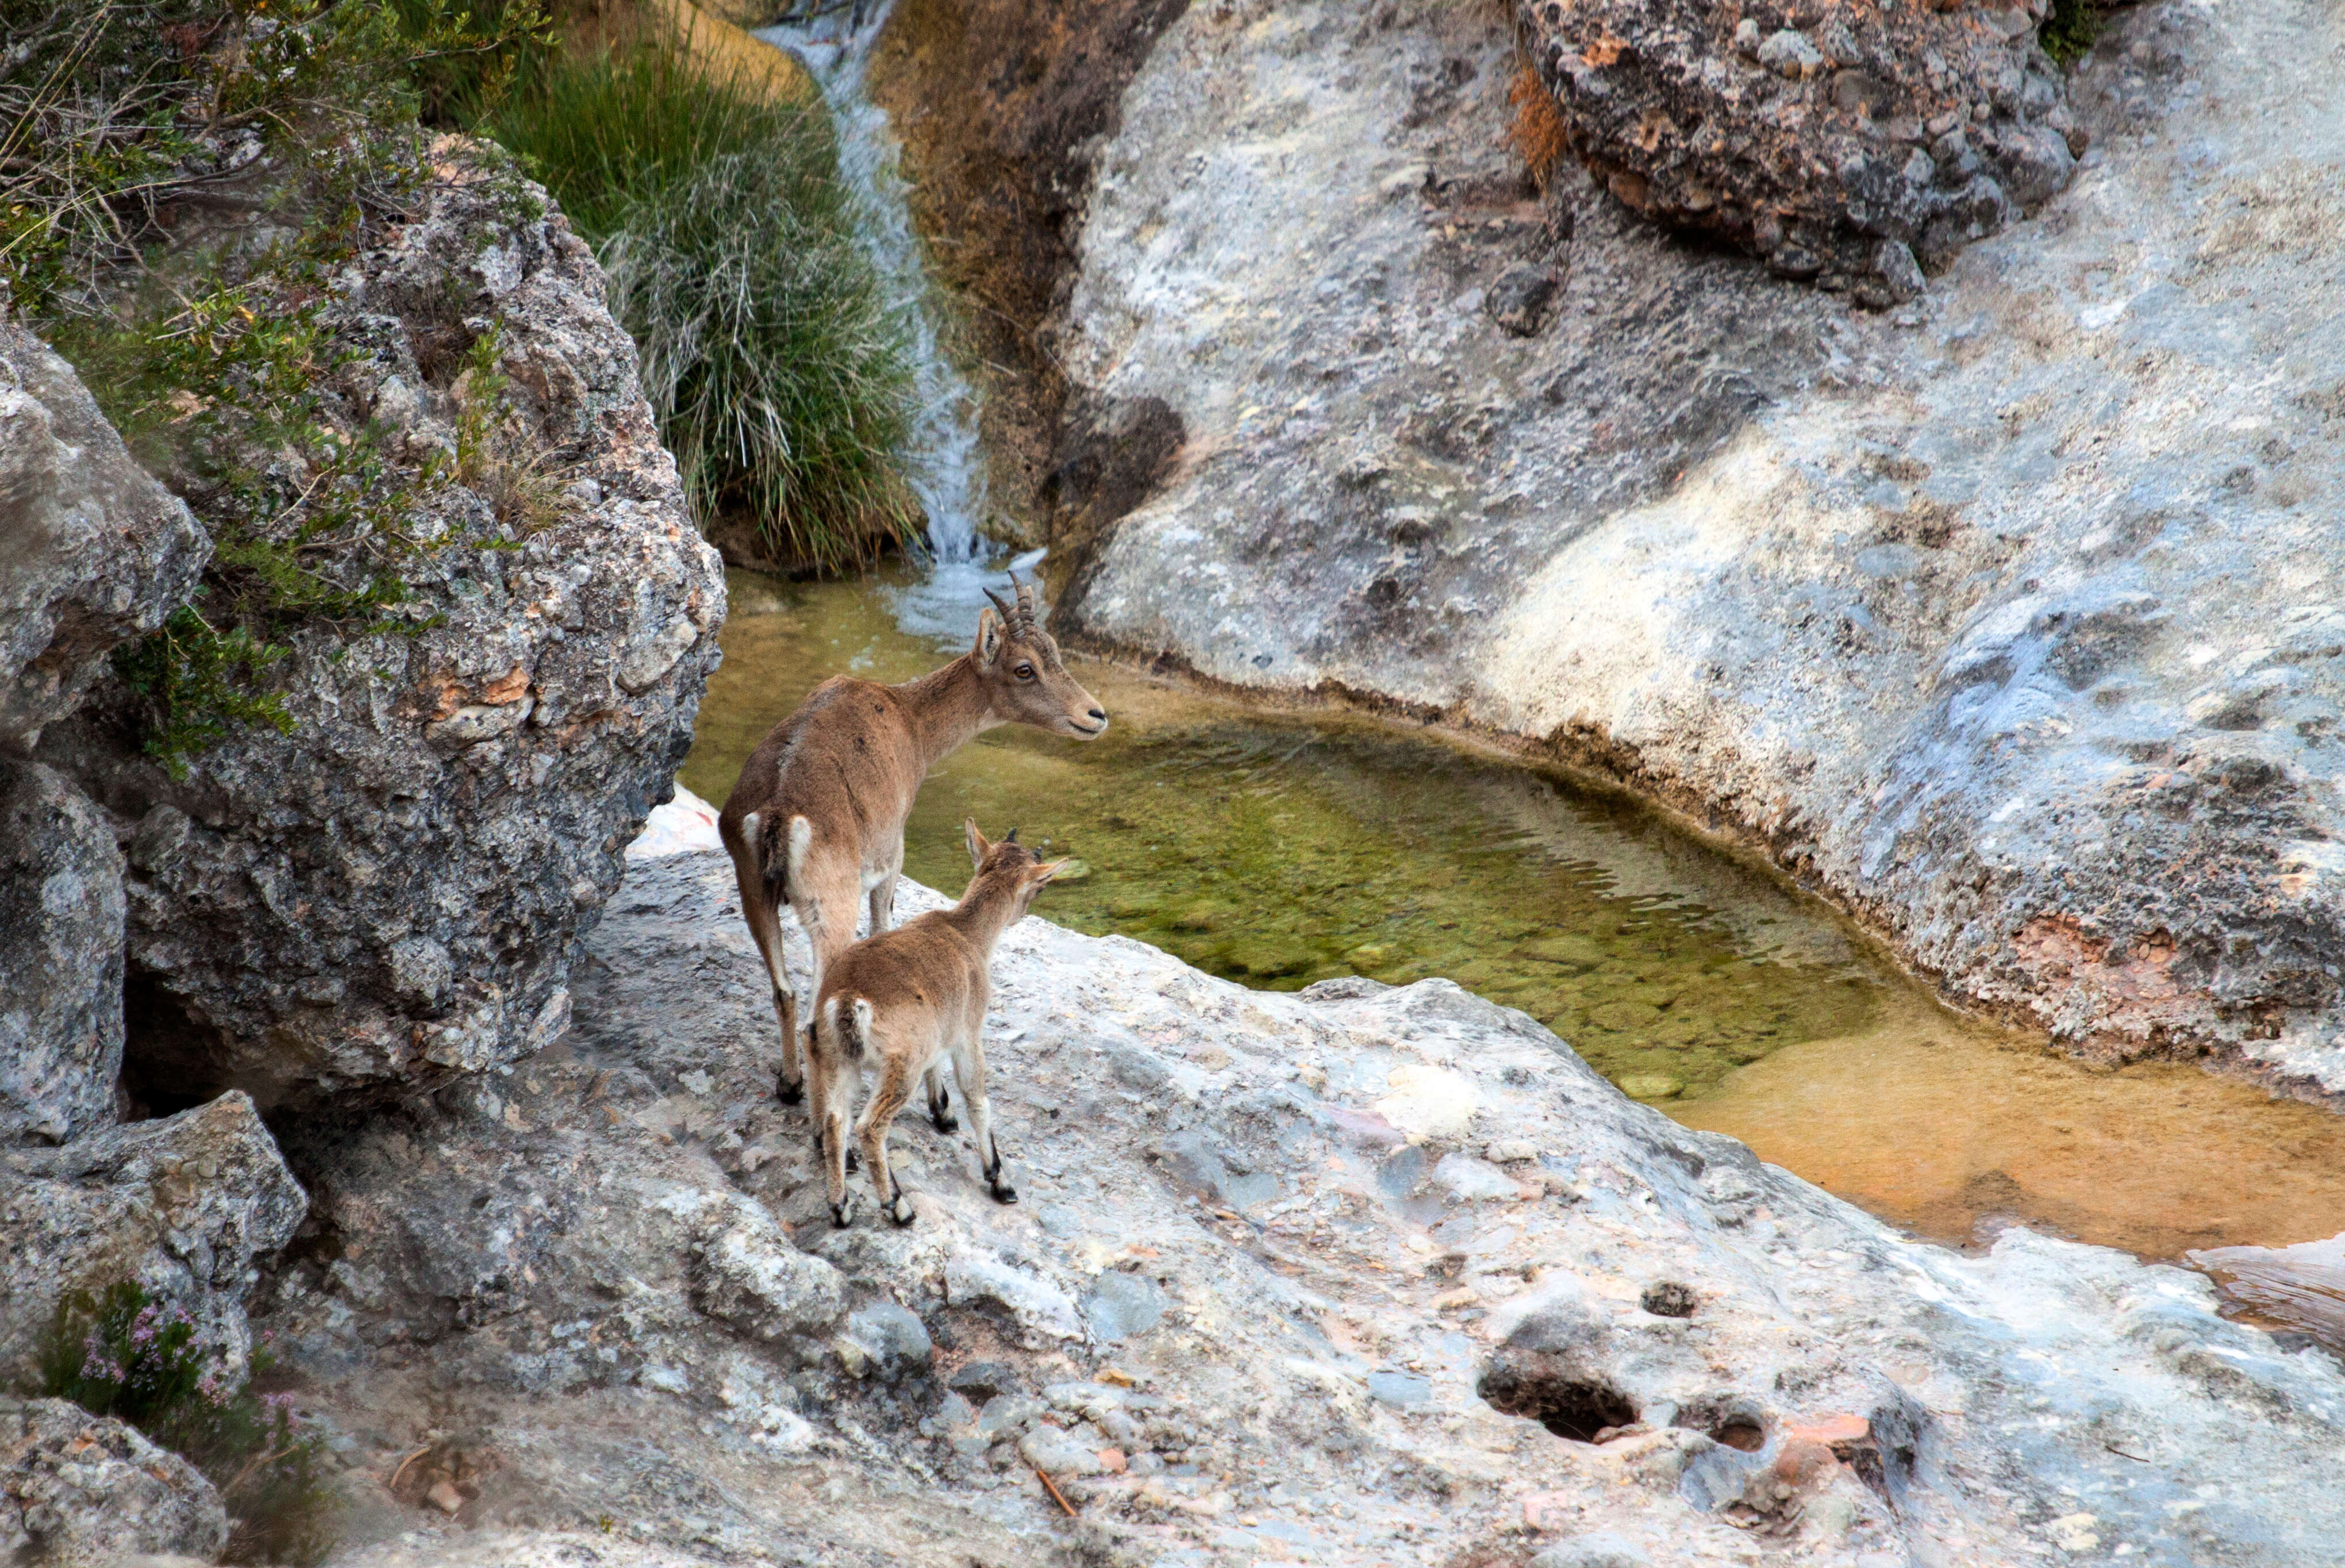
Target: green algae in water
[1280, 851]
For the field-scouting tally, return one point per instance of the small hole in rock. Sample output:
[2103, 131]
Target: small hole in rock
[1573, 1408]
[1668, 1298]
[1742, 1433]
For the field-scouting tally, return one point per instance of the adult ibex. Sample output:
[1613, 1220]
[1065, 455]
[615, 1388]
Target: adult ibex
[902, 1002]
[817, 820]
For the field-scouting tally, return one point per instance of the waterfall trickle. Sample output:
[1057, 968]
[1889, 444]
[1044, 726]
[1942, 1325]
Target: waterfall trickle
[941, 457]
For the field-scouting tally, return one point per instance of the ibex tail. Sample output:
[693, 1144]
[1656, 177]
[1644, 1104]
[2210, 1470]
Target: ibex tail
[781, 854]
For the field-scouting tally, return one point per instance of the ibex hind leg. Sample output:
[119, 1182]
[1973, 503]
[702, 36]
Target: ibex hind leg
[940, 1102]
[895, 1089]
[765, 929]
[969, 1066]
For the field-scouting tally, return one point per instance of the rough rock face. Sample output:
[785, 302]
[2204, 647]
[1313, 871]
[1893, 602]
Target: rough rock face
[80, 1491]
[392, 890]
[98, 551]
[188, 1206]
[2010, 618]
[61, 911]
[1839, 142]
[1359, 1275]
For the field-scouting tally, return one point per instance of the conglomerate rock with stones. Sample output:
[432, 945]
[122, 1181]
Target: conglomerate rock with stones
[1856, 144]
[1361, 1275]
[96, 551]
[391, 891]
[79, 1490]
[61, 913]
[187, 1208]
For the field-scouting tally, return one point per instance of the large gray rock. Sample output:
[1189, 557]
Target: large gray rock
[392, 892]
[61, 911]
[187, 1207]
[1455, 1256]
[2011, 620]
[79, 1490]
[1839, 143]
[96, 551]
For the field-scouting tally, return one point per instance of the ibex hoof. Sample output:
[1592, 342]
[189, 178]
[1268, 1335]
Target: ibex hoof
[842, 1214]
[787, 1093]
[1004, 1193]
[900, 1211]
[945, 1122]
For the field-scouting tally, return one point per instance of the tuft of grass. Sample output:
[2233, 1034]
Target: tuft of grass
[778, 368]
[2071, 29]
[123, 1355]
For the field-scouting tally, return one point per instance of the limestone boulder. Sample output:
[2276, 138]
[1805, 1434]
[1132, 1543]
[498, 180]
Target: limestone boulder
[188, 1208]
[80, 1491]
[61, 913]
[98, 551]
[393, 891]
[2007, 617]
[1841, 143]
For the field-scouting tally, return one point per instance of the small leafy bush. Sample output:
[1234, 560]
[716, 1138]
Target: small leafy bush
[778, 369]
[2071, 29]
[123, 1355]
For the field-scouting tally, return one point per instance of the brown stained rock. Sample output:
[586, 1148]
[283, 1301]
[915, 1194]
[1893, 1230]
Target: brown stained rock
[1858, 145]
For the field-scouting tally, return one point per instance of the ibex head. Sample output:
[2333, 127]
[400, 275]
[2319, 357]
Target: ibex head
[1006, 869]
[1026, 681]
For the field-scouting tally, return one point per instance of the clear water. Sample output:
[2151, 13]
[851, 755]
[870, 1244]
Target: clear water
[1277, 850]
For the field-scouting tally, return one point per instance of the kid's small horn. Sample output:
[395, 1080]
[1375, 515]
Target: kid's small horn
[1012, 838]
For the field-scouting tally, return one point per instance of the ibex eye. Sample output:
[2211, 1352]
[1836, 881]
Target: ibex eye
[1025, 672]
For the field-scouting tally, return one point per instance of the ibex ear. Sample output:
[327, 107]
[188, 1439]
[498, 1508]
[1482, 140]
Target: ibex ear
[1046, 871]
[988, 637]
[978, 847]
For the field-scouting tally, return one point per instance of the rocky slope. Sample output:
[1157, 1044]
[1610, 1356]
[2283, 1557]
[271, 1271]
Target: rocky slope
[1352, 1276]
[391, 891]
[2008, 617]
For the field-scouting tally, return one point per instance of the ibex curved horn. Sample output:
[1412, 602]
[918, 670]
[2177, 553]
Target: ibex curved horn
[1006, 613]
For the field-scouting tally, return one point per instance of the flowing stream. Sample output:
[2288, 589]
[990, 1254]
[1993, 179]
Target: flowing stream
[943, 460]
[1279, 849]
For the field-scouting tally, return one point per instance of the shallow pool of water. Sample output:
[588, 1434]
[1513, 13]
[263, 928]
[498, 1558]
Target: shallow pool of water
[1277, 850]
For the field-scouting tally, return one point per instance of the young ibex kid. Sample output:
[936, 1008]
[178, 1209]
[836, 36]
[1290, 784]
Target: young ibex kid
[900, 1002]
[817, 820]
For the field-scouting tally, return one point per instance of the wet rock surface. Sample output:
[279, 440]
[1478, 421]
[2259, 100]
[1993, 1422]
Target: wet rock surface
[189, 1207]
[61, 912]
[392, 892]
[86, 1491]
[2004, 617]
[1855, 146]
[98, 551]
[1364, 1274]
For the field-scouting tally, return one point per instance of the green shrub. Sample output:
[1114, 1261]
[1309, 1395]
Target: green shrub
[112, 112]
[2071, 29]
[779, 373]
[124, 1356]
